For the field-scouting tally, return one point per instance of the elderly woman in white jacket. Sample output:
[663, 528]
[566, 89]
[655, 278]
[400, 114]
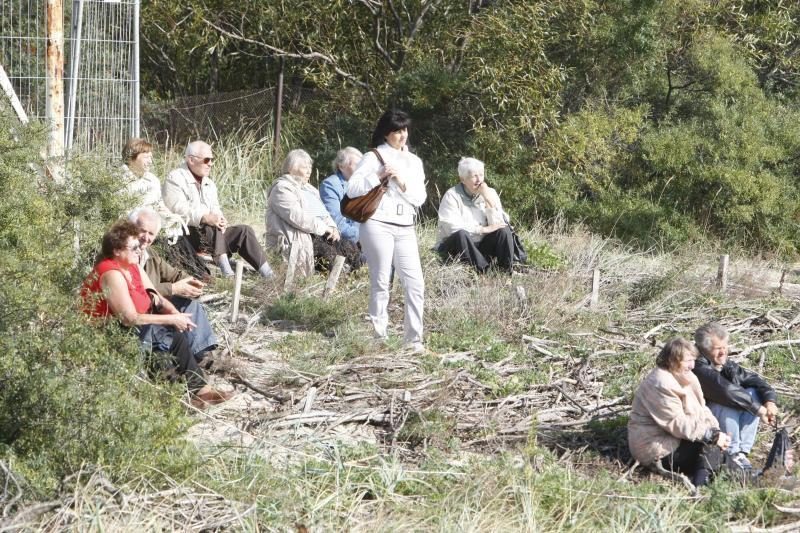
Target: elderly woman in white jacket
[295, 213]
[146, 187]
[473, 227]
[388, 238]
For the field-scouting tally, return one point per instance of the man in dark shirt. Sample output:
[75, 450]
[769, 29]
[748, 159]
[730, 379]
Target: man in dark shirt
[739, 398]
[179, 287]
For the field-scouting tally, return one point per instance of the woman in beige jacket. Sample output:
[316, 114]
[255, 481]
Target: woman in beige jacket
[297, 219]
[669, 419]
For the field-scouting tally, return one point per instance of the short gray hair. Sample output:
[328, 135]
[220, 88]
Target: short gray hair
[344, 155]
[468, 165]
[293, 159]
[146, 212]
[192, 148]
[705, 335]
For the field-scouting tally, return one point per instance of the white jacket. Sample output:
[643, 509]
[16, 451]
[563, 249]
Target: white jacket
[460, 211]
[396, 207]
[147, 189]
[182, 196]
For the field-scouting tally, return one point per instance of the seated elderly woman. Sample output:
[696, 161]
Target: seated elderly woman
[146, 187]
[669, 420]
[296, 218]
[333, 188]
[472, 225]
[118, 286]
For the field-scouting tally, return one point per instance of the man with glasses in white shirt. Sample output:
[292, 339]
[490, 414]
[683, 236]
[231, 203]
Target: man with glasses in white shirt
[192, 194]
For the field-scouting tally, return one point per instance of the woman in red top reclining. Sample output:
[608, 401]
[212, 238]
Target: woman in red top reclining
[118, 286]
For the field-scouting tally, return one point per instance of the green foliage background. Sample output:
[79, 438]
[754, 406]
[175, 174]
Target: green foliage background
[653, 121]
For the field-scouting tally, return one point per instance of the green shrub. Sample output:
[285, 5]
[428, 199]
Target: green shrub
[69, 390]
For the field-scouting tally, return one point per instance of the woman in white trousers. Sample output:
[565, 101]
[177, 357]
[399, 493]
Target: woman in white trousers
[388, 238]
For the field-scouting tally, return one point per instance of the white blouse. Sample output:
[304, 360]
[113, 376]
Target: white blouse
[396, 207]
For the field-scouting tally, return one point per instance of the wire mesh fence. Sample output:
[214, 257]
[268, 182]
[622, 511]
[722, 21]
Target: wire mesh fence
[101, 74]
[208, 116]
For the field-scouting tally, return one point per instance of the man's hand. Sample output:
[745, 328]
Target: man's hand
[723, 441]
[489, 195]
[188, 288]
[483, 190]
[215, 219]
[771, 411]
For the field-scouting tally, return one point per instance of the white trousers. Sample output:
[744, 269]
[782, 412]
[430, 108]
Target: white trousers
[385, 245]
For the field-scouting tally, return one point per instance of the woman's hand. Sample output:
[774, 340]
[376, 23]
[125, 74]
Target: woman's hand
[723, 441]
[389, 172]
[332, 235]
[492, 228]
[182, 322]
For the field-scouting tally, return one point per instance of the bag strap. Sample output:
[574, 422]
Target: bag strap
[378, 155]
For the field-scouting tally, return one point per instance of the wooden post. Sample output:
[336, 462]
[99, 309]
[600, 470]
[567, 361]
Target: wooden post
[16, 105]
[54, 65]
[333, 277]
[288, 283]
[237, 290]
[784, 271]
[595, 297]
[522, 296]
[278, 110]
[310, 397]
[722, 273]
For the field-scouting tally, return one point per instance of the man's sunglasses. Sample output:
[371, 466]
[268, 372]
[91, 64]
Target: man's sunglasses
[206, 160]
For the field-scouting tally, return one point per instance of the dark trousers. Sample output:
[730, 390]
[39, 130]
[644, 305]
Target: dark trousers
[239, 239]
[498, 245]
[694, 459]
[326, 251]
[169, 354]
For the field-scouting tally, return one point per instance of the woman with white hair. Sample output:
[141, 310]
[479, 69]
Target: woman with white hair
[473, 228]
[333, 188]
[296, 218]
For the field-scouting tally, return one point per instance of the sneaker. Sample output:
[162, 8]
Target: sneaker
[740, 459]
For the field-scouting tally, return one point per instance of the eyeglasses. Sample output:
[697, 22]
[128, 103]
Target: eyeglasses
[136, 248]
[205, 160]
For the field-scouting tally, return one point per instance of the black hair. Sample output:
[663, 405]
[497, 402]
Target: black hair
[392, 120]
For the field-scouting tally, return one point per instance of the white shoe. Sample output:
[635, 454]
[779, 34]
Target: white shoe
[414, 348]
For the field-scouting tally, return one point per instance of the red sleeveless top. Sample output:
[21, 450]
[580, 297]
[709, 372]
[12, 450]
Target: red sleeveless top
[94, 302]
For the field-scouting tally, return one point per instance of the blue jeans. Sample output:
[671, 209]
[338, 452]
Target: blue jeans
[741, 425]
[201, 339]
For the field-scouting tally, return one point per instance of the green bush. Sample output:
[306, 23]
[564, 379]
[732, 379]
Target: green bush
[69, 390]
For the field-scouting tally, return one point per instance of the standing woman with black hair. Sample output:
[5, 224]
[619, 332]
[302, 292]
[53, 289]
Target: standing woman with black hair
[388, 238]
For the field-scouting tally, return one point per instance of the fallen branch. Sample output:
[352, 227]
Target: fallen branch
[744, 353]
